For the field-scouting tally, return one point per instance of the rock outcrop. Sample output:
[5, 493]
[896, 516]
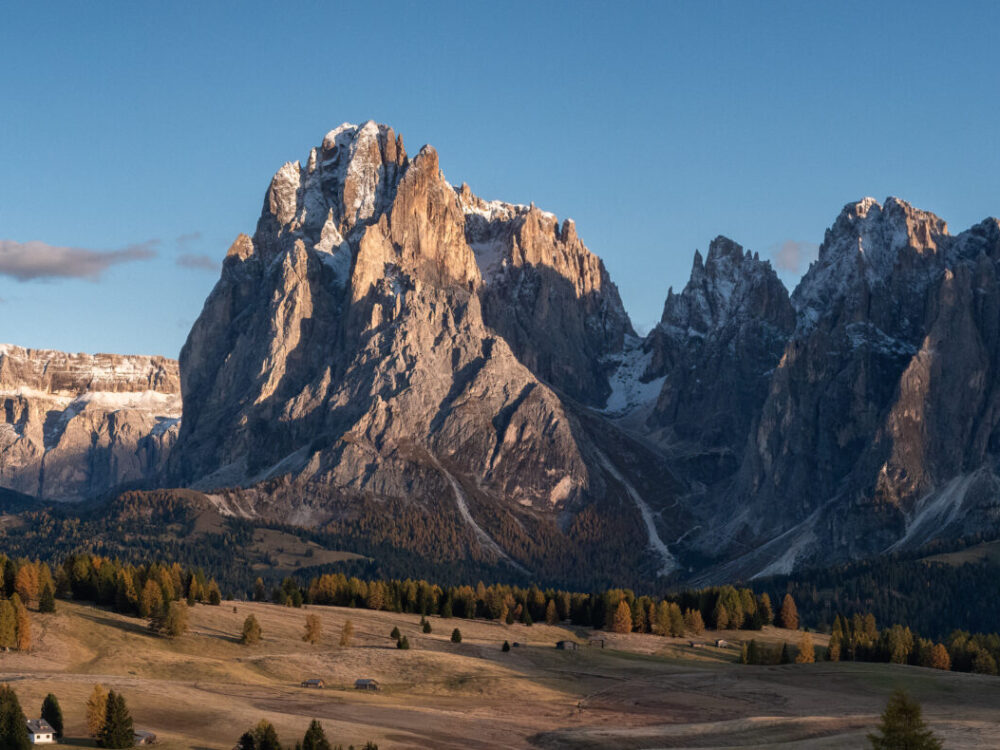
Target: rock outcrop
[76, 425]
[716, 347]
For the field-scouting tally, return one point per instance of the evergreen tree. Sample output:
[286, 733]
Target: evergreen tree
[427, 626]
[314, 629]
[395, 634]
[720, 615]
[97, 709]
[246, 741]
[693, 622]
[315, 738]
[117, 731]
[789, 613]
[13, 724]
[251, 631]
[807, 652]
[346, 633]
[8, 625]
[622, 622]
[259, 591]
[403, 643]
[22, 622]
[786, 655]
[456, 636]
[526, 616]
[551, 615]
[903, 727]
[446, 608]
[265, 736]
[47, 601]
[172, 621]
[765, 609]
[52, 713]
[675, 619]
[506, 646]
[939, 657]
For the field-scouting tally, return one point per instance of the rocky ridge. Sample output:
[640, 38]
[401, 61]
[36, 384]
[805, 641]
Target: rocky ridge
[385, 343]
[78, 425]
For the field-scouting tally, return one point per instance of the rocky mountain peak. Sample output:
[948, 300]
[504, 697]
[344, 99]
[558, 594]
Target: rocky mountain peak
[866, 247]
[730, 282]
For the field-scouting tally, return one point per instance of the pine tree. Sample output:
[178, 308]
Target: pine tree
[506, 646]
[314, 629]
[395, 634]
[97, 708]
[265, 736]
[786, 655]
[939, 657]
[259, 591]
[427, 626]
[807, 653]
[446, 609]
[22, 622]
[52, 713]
[622, 622]
[676, 625]
[315, 738]
[8, 625]
[403, 643]
[346, 633]
[251, 631]
[47, 601]
[693, 622]
[172, 621]
[151, 600]
[903, 727]
[246, 742]
[765, 609]
[721, 616]
[456, 636]
[117, 731]
[789, 613]
[13, 725]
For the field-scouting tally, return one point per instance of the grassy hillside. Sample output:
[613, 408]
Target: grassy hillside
[640, 691]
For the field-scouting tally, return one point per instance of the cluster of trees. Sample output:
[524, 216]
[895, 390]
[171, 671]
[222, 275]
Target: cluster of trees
[25, 583]
[931, 597]
[859, 639]
[755, 652]
[145, 589]
[265, 737]
[108, 719]
[614, 609]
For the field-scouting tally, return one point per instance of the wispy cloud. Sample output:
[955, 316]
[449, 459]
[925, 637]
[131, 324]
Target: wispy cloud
[794, 256]
[185, 241]
[26, 261]
[198, 262]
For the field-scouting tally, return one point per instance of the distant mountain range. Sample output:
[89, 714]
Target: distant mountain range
[396, 357]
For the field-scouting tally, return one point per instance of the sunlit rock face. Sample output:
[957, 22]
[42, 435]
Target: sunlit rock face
[74, 426]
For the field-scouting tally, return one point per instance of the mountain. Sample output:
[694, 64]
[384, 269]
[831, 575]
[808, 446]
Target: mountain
[410, 369]
[385, 340]
[78, 425]
[879, 428]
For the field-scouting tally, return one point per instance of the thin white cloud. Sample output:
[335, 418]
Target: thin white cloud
[794, 256]
[27, 261]
[198, 262]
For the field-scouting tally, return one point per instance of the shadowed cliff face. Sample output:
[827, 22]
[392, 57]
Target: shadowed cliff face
[879, 425]
[75, 425]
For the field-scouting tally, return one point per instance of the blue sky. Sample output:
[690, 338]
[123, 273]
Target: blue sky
[152, 130]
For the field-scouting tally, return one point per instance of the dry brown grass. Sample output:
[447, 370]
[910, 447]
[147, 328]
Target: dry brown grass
[641, 691]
